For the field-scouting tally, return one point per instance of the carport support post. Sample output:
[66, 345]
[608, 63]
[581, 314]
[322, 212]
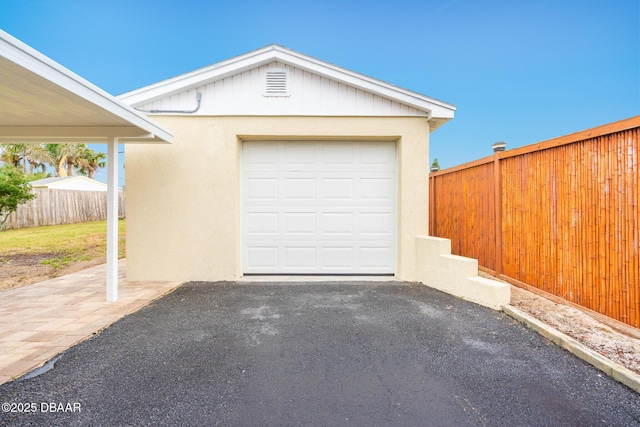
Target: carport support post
[112, 219]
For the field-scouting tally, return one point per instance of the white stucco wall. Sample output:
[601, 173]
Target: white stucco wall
[183, 200]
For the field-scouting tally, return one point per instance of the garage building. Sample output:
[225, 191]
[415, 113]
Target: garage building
[281, 164]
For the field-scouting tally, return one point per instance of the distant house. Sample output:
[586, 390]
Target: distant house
[80, 183]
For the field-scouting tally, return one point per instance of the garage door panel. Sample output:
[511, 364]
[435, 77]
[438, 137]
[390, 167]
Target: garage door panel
[299, 189]
[298, 154]
[375, 257]
[264, 258]
[341, 189]
[262, 189]
[336, 154]
[338, 223]
[262, 223]
[338, 257]
[319, 207]
[299, 223]
[376, 223]
[377, 188]
[378, 153]
[300, 258]
[261, 155]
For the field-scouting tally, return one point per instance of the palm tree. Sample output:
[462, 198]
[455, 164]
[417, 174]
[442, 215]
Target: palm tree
[36, 156]
[63, 158]
[14, 154]
[57, 155]
[74, 156]
[89, 162]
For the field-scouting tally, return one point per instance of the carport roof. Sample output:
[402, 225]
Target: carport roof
[42, 101]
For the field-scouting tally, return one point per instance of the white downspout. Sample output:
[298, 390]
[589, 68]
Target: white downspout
[112, 219]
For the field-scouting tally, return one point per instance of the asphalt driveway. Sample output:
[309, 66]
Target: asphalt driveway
[328, 354]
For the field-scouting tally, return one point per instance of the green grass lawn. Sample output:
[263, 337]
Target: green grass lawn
[69, 242]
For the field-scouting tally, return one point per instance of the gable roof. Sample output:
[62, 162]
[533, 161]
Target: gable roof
[46, 181]
[41, 101]
[433, 109]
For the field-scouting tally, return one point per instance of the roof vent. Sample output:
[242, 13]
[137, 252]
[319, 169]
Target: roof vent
[276, 82]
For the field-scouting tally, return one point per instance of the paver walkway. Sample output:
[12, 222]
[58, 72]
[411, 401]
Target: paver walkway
[41, 320]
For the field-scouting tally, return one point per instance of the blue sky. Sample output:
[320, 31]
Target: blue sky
[520, 71]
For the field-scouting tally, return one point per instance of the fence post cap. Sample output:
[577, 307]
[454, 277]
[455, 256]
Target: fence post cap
[499, 146]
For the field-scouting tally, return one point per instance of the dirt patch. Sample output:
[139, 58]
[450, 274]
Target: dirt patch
[26, 259]
[613, 345]
[24, 269]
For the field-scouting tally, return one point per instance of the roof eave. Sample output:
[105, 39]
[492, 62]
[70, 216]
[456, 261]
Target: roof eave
[35, 62]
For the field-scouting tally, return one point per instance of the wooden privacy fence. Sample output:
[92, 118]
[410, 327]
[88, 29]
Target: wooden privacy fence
[560, 216]
[53, 207]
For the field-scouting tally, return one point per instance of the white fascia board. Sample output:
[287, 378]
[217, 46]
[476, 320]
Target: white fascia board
[40, 134]
[73, 132]
[39, 64]
[33, 139]
[437, 108]
[272, 53]
[198, 77]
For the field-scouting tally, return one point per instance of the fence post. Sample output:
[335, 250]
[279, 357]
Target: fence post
[498, 148]
[432, 205]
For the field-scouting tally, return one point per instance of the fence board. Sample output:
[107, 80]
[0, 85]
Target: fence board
[568, 220]
[53, 207]
[461, 212]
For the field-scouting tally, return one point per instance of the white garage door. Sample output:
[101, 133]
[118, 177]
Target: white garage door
[325, 207]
